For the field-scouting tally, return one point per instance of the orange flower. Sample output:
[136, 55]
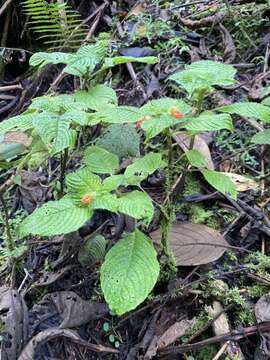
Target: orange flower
[138, 123]
[175, 113]
[87, 199]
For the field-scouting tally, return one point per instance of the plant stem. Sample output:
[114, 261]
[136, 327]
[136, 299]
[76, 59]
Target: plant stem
[63, 162]
[9, 240]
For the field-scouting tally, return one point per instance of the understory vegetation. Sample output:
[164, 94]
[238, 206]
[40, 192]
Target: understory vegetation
[134, 190]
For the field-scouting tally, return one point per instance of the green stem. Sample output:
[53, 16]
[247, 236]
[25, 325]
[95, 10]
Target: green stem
[9, 240]
[63, 162]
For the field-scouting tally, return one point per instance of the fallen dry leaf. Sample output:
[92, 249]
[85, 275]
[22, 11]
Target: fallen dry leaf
[194, 244]
[262, 313]
[205, 22]
[14, 323]
[229, 47]
[175, 331]
[42, 337]
[183, 140]
[242, 183]
[17, 138]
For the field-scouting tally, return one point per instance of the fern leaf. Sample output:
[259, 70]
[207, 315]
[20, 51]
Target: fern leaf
[129, 272]
[55, 218]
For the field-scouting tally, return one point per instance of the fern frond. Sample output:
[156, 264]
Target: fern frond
[55, 23]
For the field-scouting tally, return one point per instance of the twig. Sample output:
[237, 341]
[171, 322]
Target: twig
[11, 87]
[231, 336]
[4, 6]
[221, 351]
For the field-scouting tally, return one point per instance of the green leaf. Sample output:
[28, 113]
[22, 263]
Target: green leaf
[119, 114]
[220, 182]
[262, 137]
[248, 109]
[82, 182]
[208, 121]
[92, 251]
[55, 218]
[160, 115]
[107, 202]
[97, 97]
[41, 59]
[112, 182]
[145, 166]
[21, 122]
[164, 106]
[101, 161]
[54, 132]
[120, 139]
[118, 60]
[129, 272]
[136, 204]
[204, 74]
[196, 158]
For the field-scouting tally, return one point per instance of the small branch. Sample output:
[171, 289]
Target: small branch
[4, 6]
[64, 158]
[10, 243]
[11, 87]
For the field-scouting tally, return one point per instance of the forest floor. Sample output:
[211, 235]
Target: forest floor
[209, 307]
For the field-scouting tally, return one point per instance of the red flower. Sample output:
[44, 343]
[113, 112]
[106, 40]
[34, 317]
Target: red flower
[175, 113]
[87, 199]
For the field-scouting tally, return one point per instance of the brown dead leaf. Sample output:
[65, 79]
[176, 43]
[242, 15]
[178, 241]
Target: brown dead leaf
[229, 47]
[14, 323]
[43, 337]
[175, 331]
[138, 9]
[17, 138]
[194, 244]
[69, 310]
[241, 182]
[183, 140]
[50, 278]
[205, 22]
[262, 313]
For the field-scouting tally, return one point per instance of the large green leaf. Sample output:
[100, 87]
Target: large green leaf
[118, 60]
[137, 204]
[248, 109]
[196, 158]
[55, 218]
[160, 113]
[119, 114]
[54, 132]
[143, 167]
[204, 74]
[106, 202]
[82, 182]
[262, 137]
[209, 121]
[41, 59]
[220, 182]
[21, 122]
[120, 139]
[97, 97]
[101, 161]
[129, 272]
[164, 106]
